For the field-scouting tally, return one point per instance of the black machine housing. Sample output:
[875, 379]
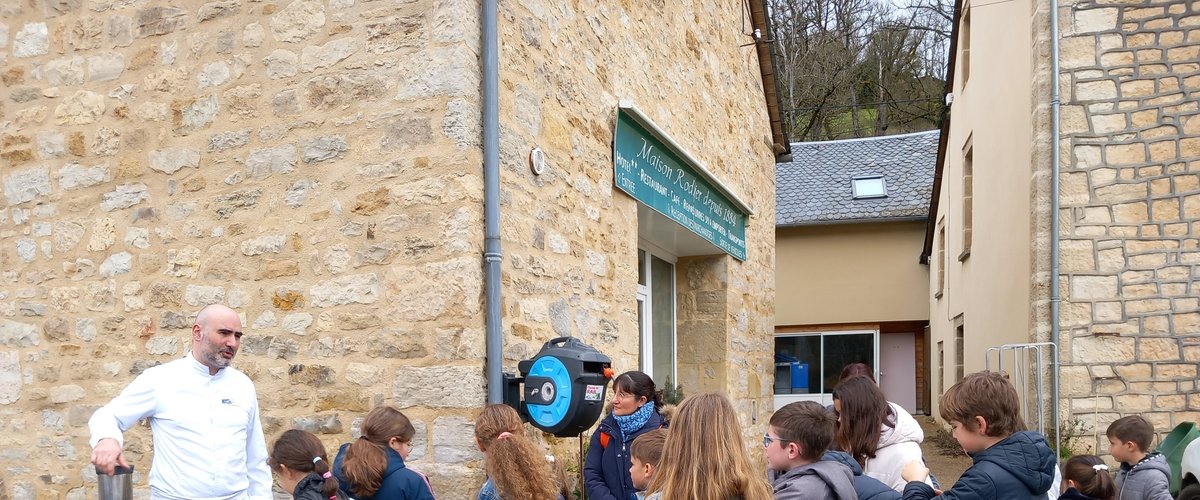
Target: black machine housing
[561, 389]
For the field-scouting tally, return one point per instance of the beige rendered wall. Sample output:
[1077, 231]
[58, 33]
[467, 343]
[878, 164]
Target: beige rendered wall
[990, 289]
[850, 273]
[316, 165]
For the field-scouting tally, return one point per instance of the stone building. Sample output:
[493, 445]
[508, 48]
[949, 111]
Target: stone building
[316, 164]
[1116, 250]
[850, 221]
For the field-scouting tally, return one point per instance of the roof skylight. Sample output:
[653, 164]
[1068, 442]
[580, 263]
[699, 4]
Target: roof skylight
[869, 186]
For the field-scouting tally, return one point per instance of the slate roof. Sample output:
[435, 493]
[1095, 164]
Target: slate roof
[814, 188]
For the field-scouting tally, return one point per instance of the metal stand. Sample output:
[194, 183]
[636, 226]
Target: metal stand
[1026, 358]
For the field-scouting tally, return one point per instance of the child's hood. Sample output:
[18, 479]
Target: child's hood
[1153, 461]
[906, 428]
[1026, 456]
[837, 475]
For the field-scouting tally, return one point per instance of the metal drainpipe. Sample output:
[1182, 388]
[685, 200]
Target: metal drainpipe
[1055, 298]
[491, 204]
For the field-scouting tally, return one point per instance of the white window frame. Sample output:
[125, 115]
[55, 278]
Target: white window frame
[646, 308]
[826, 397]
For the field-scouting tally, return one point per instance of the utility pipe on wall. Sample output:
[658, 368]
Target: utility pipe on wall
[1055, 297]
[491, 204]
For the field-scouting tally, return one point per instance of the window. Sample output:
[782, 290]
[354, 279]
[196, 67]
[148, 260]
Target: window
[958, 349]
[941, 259]
[656, 315]
[871, 186]
[941, 368]
[967, 202]
[964, 40]
[811, 363]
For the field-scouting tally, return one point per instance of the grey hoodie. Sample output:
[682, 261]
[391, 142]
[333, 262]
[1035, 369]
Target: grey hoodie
[816, 481]
[1146, 480]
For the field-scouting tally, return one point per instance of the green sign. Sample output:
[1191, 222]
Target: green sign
[659, 176]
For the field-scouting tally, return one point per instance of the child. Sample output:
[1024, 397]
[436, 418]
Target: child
[797, 436]
[635, 411]
[644, 454]
[516, 468]
[704, 457]
[1009, 462]
[372, 466]
[1085, 477]
[1143, 475]
[299, 459]
[881, 436]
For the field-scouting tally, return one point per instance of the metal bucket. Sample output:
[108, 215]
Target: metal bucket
[118, 486]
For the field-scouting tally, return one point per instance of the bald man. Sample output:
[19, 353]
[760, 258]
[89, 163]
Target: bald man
[208, 442]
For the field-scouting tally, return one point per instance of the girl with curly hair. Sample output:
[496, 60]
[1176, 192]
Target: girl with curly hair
[516, 469]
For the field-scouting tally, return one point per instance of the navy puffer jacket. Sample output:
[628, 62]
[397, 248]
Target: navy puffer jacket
[399, 482]
[606, 470]
[1020, 467]
[867, 487]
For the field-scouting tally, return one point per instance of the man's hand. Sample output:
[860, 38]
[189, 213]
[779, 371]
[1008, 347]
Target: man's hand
[107, 455]
[915, 471]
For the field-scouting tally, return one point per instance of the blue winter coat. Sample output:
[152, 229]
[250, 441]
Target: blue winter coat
[606, 470]
[1020, 467]
[399, 482]
[867, 487]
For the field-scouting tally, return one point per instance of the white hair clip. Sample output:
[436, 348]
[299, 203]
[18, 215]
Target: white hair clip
[1100, 467]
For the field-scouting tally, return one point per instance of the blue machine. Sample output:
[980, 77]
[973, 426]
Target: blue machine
[561, 390]
[797, 373]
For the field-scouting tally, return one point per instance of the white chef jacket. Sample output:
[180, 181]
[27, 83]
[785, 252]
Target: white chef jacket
[208, 442]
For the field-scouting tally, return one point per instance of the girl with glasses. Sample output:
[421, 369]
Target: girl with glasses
[372, 466]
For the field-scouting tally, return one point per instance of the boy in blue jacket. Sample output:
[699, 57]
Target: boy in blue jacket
[1009, 462]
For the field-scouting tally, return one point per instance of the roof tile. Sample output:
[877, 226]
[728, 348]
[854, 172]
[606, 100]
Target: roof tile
[815, 187]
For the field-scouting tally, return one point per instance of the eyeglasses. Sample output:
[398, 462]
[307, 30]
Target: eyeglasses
[622, 395]
[767, 440]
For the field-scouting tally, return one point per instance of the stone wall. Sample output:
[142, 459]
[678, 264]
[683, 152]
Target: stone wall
[571, 238]
[1130, 204]
[316, 165]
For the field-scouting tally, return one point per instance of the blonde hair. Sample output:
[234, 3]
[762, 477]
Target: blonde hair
[517, 468]
[704, 457]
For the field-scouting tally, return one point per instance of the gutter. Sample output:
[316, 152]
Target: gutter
[766, 66]
[850, 222]
[948, 93]
[1055, 297]
[492, 255]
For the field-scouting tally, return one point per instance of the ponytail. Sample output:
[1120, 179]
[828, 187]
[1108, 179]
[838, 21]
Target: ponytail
[1090, 474]
[366, 459]
[364, 466]
[329, 487]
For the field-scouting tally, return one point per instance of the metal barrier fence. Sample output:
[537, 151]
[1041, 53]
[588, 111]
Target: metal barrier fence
[1029, 360]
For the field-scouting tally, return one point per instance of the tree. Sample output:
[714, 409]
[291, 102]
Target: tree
[848, 68]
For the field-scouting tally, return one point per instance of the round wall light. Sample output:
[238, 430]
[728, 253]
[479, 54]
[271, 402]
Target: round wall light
[537, 161]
